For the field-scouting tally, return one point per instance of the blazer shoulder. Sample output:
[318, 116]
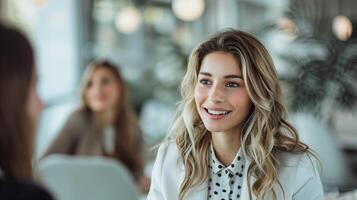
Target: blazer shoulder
[167, 151]
[79, 117]
[168, 159]
[78, 122]
[301, 160]
[299, 174]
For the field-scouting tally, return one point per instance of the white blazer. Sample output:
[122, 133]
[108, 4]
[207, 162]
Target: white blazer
[297, 175]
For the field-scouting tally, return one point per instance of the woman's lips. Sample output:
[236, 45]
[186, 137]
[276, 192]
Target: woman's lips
[216, 113]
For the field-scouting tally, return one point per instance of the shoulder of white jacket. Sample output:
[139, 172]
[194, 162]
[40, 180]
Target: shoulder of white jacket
[169, 155]
[301, 168]
[167, 145]
[304, 160]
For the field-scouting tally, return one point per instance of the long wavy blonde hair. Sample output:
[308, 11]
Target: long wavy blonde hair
[266, 130]
[129, 138]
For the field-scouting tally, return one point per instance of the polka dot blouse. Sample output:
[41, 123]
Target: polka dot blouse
[225, 183]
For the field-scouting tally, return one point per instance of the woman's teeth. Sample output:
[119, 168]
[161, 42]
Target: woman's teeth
[216, 112]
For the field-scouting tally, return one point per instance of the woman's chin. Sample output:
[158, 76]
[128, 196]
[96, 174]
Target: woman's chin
[97, 109]
[214, 128]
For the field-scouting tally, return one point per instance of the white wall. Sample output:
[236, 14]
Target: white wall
[57, 48]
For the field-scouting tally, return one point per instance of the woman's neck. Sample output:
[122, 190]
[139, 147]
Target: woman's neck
[226, 146]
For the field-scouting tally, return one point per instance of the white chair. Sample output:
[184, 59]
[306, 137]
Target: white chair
[86, 178]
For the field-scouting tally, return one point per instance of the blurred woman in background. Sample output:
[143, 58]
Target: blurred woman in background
[20, 108]
[104, 124]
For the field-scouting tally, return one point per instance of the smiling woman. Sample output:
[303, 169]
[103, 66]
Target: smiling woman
[230, 138]
[222, 101]
[104, 124]
[220, 95]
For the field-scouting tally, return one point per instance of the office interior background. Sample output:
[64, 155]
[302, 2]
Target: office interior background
[313, 44]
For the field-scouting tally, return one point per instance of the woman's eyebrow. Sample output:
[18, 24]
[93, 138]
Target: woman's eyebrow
[227, 76]
[233, 76]
[205, 74]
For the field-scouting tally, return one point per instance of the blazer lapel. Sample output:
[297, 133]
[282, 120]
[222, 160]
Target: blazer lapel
[198, 192]
[245, 186]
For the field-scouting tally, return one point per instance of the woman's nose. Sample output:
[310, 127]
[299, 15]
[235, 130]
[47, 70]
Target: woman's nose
[97, 87]
[216, 94]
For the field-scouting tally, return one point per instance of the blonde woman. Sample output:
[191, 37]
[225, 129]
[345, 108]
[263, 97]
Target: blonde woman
[230, 138]
[104, 124]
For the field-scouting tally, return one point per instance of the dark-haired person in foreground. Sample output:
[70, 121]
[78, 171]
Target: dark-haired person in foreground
[19, 110]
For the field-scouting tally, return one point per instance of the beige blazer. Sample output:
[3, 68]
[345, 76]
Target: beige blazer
[77, 137]
[297, 174]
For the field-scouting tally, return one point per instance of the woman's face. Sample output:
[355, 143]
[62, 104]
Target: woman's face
[221, 97]
[102, 93]
[35, 105]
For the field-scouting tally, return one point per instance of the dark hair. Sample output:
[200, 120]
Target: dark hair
[128, 140]
[16, 69]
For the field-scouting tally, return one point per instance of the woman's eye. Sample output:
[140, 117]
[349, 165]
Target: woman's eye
[89, 84]
[105, 81]
[205, 82]
[232, 85]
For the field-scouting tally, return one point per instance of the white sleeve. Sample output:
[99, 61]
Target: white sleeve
[155, 192]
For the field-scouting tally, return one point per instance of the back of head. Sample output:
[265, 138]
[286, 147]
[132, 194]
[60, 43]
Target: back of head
[16, 69]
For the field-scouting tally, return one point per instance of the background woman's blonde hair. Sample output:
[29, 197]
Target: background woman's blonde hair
[266, 130]
[128, 137]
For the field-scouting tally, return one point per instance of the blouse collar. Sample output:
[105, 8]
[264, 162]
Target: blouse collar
[235, 167]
